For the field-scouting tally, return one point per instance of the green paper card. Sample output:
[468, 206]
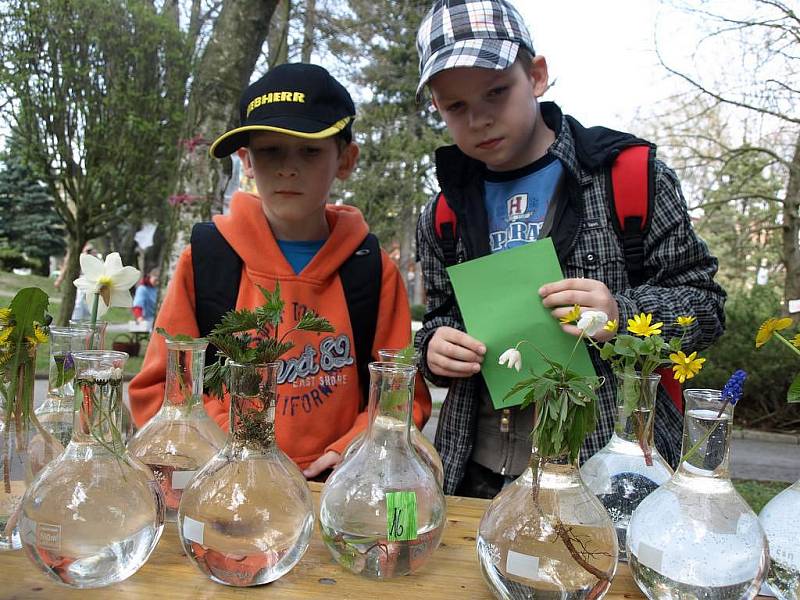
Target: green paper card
[401, 516]
[499, 299]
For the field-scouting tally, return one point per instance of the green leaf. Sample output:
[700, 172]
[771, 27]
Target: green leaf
[236, 321]
[310, 321]
[181, 337]
[793, 395]
[272, 310]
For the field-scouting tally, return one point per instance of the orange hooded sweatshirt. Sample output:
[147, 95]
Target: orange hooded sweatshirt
[318, 386]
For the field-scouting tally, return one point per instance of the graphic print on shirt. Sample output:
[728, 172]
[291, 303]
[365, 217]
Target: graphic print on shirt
[517, 201]
[313, 374]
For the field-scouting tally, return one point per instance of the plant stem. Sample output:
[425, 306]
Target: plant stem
[788, 343]
[95, 306]
[694, 448]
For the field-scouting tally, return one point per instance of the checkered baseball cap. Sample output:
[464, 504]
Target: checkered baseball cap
[469, 33]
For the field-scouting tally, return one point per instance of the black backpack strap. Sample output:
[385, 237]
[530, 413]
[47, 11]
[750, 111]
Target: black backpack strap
[632, 194]
[361, 277]
[217, 275]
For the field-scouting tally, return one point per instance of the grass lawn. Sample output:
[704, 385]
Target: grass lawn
[758, 493]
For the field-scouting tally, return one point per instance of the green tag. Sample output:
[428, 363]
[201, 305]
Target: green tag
[401, 516]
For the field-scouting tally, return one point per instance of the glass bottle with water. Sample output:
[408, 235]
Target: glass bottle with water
[246, 517]
[629, 467]
[382, 513]
[180, 438]
[55, 413]
[92, 517]
[695, 536]
[780, 519]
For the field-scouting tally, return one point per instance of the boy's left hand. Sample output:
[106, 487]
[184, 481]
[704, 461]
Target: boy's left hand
[589, 294]
[327, 461]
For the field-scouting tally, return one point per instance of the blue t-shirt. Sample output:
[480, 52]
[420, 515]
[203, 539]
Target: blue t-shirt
[145, 297]
[517, 201]
[299, 254]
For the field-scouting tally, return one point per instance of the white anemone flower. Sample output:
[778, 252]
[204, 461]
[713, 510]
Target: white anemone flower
[513, 357]
[592, 321]
[109, 280]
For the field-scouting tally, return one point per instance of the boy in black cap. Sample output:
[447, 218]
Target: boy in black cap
[295, 140]
[519, 171]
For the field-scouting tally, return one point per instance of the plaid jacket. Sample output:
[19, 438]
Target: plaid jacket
[679, 274]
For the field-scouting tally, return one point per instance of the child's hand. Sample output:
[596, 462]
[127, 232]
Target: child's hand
[329, 460]
[453, 353]
[589, 294]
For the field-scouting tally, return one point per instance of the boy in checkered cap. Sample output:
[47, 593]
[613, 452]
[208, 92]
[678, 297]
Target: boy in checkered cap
[521, 170]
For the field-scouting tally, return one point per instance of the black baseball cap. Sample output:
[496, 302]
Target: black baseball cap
[296, 99]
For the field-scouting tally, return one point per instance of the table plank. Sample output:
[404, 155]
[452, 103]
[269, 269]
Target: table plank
[453, 572]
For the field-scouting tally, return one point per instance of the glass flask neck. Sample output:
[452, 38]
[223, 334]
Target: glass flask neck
[391, 391]
[253, 393]
[98, 399]
[184, 385]
[636, 401]
[97, 332]
[63, 342]
[708, 422]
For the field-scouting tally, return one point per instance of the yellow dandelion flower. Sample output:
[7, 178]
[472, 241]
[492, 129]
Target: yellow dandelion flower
[769, 327]
[39, 335]
[685, 321]
[796, 341]
[5, 333]
[572, 315]
[686, 367]
[5, 316]
[641, 325]
[611, 325]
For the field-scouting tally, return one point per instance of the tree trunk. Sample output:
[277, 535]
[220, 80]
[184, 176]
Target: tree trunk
[278, 38]
[308, 31]
[222, 73]
[791, 228]
[72, 268]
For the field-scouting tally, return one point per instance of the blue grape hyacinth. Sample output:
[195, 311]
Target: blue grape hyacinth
[732, 392]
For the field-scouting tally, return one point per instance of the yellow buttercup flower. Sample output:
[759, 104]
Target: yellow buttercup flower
[769, 327]
[796, 341]
[641, 325]
[572, 315]
[685, 321]
[611, 325]
[686, 367]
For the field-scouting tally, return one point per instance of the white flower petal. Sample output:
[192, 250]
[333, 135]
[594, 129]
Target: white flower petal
[120, 298]
[592, 321]
[126, 278]
[513, 357]
[91, 267]
[113, 264]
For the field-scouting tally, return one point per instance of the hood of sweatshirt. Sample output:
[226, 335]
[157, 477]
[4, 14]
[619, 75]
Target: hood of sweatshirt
[246, 229]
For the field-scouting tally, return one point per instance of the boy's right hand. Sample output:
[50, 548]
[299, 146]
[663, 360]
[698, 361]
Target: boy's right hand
[453, 353]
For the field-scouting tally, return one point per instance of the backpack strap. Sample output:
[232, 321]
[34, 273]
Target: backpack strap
[445, 223]
[632, 194]
[361, 277]
[217, 273]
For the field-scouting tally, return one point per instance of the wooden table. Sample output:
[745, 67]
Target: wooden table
[453, 572]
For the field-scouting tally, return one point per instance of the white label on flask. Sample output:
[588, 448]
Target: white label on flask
[650, 557]
[193, 530]
[522, 565]
[181, 478]
[48, 536]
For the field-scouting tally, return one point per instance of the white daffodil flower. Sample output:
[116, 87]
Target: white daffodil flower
[592, 321]
[109, 280]
[513, 357]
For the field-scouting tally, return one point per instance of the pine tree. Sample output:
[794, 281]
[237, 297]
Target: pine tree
[28, 220]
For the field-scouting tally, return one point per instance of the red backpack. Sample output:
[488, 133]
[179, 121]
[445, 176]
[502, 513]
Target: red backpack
[632, 190]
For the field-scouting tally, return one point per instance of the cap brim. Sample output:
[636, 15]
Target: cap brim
[230, 141]
[483, 53]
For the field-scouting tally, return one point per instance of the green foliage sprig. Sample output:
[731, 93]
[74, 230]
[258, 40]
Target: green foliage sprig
[248, 336]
